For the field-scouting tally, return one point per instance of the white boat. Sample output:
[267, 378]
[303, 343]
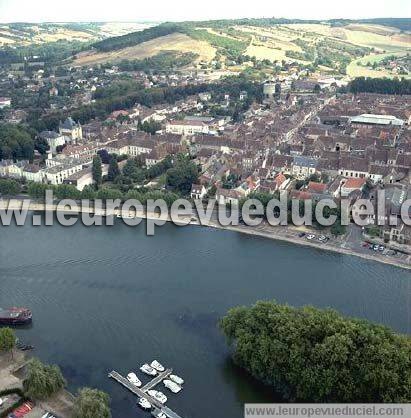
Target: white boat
[145, 368]
[158, 366]
[144, 403]
[158, 395]
[132, 378]
[169, 384]
[176, 379]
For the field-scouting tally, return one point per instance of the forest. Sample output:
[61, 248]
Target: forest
[317, 355]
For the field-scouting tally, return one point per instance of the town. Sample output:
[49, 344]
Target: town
[212, 112]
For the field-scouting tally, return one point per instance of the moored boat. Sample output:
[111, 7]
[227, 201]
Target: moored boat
[132, 378]
[176, 379]
[169, 384]
[144, 403]
[158, 366]
[15, 316]
[145, 368]
[158, 395]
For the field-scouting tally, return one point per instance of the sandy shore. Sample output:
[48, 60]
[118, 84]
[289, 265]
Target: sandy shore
[271, 234]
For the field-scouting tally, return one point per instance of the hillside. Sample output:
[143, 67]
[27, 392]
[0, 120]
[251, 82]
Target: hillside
[336, 46]
[24, 34]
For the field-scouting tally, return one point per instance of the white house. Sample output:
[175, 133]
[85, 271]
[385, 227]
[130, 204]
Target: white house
[198, 191]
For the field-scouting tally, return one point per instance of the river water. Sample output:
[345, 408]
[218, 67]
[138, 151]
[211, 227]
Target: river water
[107, 298]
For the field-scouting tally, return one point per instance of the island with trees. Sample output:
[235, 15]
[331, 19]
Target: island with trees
[317, 355]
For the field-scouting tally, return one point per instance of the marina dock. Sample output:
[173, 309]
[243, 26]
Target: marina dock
[142, 392]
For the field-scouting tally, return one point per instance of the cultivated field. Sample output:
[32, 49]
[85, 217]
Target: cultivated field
[174, 42]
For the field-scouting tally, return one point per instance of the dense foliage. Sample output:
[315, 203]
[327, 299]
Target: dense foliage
[118, 100]
[15, 143]
[134, 38]
[315, 355]
[164, 61]
[42, 380]
[9, 187]
[92, 403]
[182, 175]
[380, 85]
[7, 339]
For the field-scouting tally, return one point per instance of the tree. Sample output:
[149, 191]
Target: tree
[97, 171]
[7, 339]
[182, 175]
[15, 142]
[42, 380]
[9, 187]
[316, 355]
[104, 155]
[38, 190]
[92, 403]
[113, 170]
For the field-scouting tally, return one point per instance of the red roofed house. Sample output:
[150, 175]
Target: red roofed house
[315, 187]
[350, 185]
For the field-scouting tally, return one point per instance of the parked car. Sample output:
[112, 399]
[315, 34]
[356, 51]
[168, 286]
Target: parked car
[301, 234]
[381, 248]
[310, 236]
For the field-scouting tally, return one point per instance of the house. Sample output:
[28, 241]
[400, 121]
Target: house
[350, 185]
[58, 173]
[198, 191]
[33, 172]
[303, 167]
[53, 139]
[71, 129]
[228, 197]
[9, 168]
[400, 233]
[184, 127]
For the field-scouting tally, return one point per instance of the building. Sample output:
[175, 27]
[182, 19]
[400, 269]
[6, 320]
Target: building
[350, 185]
[53, 139]
[59, 173]
[303, 167]
[84, 177]
[228, 197]
[190, 126]
[371, 119]
[269, 91]
[71, 129]
[198, 191]
[33, 172]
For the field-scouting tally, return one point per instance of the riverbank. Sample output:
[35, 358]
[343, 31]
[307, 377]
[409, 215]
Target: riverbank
[287, 234]
[12, 376]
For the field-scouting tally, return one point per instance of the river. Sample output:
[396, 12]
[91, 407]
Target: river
[107, 298]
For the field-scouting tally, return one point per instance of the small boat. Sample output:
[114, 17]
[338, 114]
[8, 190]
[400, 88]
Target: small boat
[15, 316]
[144, 403]
[158, 366]
[169, 384]
[158, 395]
[132, 378]
[145, 368]
[176, 379]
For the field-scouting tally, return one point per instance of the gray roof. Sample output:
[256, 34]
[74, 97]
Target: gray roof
[68, 124]
[303, 161]
[49, 135]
